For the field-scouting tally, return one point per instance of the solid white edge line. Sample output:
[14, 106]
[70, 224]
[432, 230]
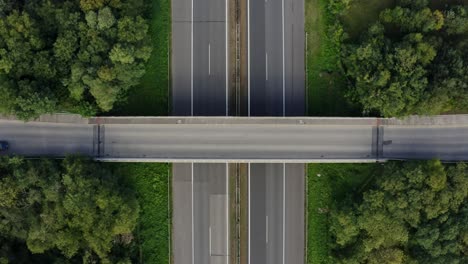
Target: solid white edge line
[209, 58]
[193, 233]
[209, 239]
[266, 229]
[284, 81]
[191, 66]
[284, 210]
[227, 58]
[248, 57]
[227, 213]
[249, 227]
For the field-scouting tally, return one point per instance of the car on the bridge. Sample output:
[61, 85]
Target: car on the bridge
[4, 145]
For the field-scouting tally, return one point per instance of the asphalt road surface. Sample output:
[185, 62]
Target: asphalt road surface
[277, 88]
[199, 87]
[238, 142]
[276, 58]
[448, 143]
[199, 58]
[234, 142]
[48, 139]
[276, 213]
[200, 224]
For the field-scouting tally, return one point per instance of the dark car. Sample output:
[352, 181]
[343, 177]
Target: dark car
[4, 145]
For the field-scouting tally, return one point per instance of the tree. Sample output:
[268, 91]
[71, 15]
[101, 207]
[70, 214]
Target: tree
[75, 207]
[63, 48]
[415, 212]
[411, 61]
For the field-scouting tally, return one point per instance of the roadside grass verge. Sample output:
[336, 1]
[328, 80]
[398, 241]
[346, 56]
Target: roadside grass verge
[325, 83]
[151, 182]
[328, 184]
[151, 96]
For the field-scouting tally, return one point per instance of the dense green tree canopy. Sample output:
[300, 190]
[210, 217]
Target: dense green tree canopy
[74, 207]
[416, 212]
[413, 60]
[73, 55]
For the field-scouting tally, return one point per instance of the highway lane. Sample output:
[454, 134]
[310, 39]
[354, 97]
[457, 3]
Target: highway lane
[210, 213]
[276, 70]
[200, 197]
[294, 211]
[265, 56]
[199, 58]
[294, 58]
[210, 56]
[276, 87]
[182, 236]
[276, 213]
[181, 57]
[266, 208]
[200, 88]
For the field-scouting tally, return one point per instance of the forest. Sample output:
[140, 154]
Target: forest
[69, 211]
[79, 56]
[413, 212]
[412, 60]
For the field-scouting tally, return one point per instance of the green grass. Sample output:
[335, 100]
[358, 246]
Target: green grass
[334, 183]
[325, 83]
[151, 182]
[151, 96]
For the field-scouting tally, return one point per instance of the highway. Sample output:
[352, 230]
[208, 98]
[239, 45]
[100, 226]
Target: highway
[200, 212]
[276, 66]
[276, 213]
[199, 87]
[199, 58]
[276, 87]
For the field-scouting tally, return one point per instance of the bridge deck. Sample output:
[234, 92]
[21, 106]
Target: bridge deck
[179, 139]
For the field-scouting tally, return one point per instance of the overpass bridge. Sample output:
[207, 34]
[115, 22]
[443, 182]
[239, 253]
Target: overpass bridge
[240, 139]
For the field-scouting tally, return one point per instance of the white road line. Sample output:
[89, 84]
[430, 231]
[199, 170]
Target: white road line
[249, 227]
[266, 229]
[209, 239]
[248, 58]
[191, 65]
[266, 66]
[209, 59]
[284, 210]
[227, 213]
[193, 238]
[227, 58]
[284, 82]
